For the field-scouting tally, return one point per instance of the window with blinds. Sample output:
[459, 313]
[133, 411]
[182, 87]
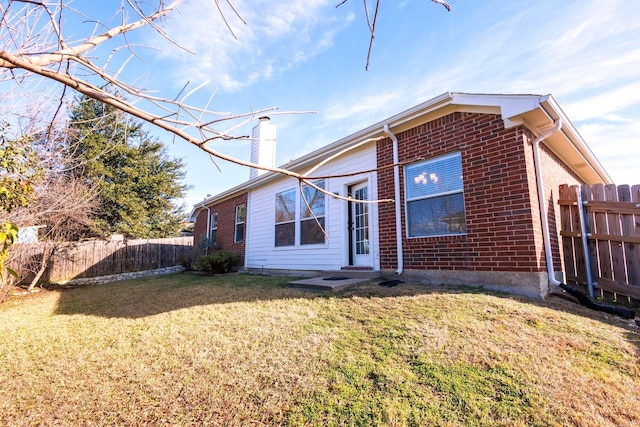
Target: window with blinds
[435, 197]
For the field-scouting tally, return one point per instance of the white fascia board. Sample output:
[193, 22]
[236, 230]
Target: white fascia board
[574, 140]
[194, 213]
[511, 107]
[456, 101]
[373, 131]
[524, 109]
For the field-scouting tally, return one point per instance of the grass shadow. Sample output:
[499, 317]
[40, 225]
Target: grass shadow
[154, 295]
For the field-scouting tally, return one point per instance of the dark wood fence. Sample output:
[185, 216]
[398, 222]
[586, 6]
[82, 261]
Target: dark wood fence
[612, 227]
[98, 258]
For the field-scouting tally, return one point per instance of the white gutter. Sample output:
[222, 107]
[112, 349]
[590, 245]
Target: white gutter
[396, 184]
[542, 202]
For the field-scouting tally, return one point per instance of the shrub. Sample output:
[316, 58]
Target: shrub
[217, 263]
[185, 261]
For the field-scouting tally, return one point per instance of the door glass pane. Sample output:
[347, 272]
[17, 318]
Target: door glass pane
[361, 222]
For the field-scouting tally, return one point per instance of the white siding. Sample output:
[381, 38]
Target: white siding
[260, 244]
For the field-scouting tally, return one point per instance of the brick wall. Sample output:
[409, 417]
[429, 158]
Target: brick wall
[503, 226]
[226, 211]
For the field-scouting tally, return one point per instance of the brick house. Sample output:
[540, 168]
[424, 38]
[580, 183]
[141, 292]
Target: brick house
[466, 174]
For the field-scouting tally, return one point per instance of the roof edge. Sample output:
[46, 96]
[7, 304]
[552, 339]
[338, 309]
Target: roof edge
[514, 109]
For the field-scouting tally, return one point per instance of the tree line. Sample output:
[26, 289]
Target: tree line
[100, 174]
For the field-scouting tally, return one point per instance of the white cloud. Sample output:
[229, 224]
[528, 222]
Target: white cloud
[354, 107]
[277, 35]
[604, 103]
[615, 140]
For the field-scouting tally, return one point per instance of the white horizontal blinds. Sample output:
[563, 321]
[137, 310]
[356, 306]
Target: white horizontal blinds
[311, 229]
[435, 199]
[241, 216]
[286, 218]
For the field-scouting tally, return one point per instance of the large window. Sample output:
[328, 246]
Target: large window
[213, 231]
[435, 198]
[241, 217]
[312, 214]
[286, 218]
[300, 213]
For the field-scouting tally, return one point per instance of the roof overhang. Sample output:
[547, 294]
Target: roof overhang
[536, 112]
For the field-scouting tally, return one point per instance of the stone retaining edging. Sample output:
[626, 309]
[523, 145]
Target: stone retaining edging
[124, 276]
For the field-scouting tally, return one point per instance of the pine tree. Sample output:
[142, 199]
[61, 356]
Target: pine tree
[138, 182]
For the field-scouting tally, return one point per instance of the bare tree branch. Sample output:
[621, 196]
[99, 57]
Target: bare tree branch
[372, 20]
[32, 40]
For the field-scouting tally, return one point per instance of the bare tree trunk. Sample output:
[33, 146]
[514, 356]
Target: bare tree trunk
[47, 255]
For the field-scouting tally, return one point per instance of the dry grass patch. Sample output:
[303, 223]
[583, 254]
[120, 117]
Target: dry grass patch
[236, 350]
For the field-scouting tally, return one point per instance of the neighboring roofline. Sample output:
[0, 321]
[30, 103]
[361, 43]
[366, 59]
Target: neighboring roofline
[536, 112]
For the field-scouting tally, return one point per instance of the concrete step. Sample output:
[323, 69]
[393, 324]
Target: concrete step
[327, 283]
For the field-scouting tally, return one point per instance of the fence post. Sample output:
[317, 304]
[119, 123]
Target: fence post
[585, 244]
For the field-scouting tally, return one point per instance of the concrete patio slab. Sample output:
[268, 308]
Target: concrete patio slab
[333, 284]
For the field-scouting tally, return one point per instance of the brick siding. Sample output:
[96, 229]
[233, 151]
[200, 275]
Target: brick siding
[502, 215]
[226, 211]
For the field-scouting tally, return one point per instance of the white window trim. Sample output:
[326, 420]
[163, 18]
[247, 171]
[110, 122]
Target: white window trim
[213, 226]
[235, 228]
[311, 217]
[294, 221]
[298, 222]
[445, 193]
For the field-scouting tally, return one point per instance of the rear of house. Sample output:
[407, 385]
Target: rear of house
[452, 187]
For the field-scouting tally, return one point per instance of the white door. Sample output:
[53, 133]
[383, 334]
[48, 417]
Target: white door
[359, 225]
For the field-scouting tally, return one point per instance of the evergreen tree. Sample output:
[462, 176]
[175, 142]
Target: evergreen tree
[138, 183]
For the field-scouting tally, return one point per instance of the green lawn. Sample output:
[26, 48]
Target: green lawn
[188, 349]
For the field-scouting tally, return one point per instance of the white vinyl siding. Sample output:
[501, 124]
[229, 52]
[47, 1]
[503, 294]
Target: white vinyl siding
[332, 253]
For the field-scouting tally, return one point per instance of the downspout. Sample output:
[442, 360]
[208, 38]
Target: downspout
[583, 299]
[585, 244]
[541, 200]
[396, 185]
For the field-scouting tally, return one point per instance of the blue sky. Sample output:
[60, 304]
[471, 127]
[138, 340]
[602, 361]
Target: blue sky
[310, 55]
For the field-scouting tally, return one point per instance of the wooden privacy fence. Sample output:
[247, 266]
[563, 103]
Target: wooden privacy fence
[612, 231]
[99, 258]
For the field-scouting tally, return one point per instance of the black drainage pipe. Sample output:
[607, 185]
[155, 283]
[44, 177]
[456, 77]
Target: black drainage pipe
[390, 283]
[585, 300]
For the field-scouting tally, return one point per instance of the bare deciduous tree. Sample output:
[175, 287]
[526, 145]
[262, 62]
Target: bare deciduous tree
[60, 208]
[34, 42]
[62, 211]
